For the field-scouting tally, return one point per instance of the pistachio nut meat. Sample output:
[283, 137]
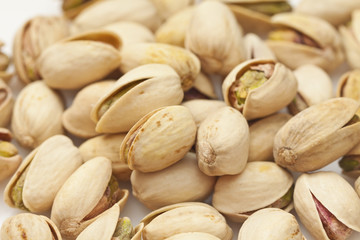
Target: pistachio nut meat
[318, 135]
[36, 115]
[32, 39]
[72, 8]
[167, 8]
[79, 60]
[185, 183]
[144, 88]
[6, 103]
[29, 226]
[170, 130]
[190, 217]
[350, 162]
[42, 174]
[260, 185]
[221, 50]
[349, 86]
[294, 43]
[259, 88]
[203, 89]
[256, 48]
[327, 205]
[9, 155]
[222, 144]
[85, 195]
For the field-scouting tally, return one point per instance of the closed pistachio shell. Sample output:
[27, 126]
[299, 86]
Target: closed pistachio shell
[36, 115]
[6, 103]
[256, 48]
[186, 183]
[193, 235]
[9, 155]
[168, 8]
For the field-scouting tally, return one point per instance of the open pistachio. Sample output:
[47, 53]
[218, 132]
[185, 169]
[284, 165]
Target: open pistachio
[4, 63]
[350, 163]
[349, 86]
[171, 132]
[29, 226]
[256, 48]
[260, 185]
[9, 157]
[259, 88]
[318, 135]
[72, 8]
[168, 8]
[327, 205]
[6, 103]
[202, 89]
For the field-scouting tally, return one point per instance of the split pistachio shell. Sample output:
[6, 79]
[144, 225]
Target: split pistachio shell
[337, 201]
[262, 134]
[9, 157]
[185, 63]
[107, 146]
[135, 94]
[46, 169]
[32, 39]
[6, 103]
[80, 60]
[326, 52]
[256, 48]
[357, 186]
[185, 182]
[219, 51]
[193, 235]
[4, 64]
[270, 224]
[76, 119]
[349, 86]
[80, 194]
[317, 135]
[36, 115]
[260, 185]
[29, 226]
[171, 132]
[168, 8]
[202, 89]
[72, 8]
[278, 90]
[185, 218]
[222, 144]
[314, 86]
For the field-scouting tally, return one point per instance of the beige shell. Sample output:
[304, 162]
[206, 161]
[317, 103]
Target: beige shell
[262, 134]
[201, 108]
[329, 54]
[36, 114]
[48, 167]
[8, 164]
[221, 50]
[167, 8]
[105, 12]
[29, 226]
[181, 182]
[6, 103]
[76, 119]
[193, 235]
[71, 8]
[354, 153]
[32, 39]
[317, 135]
[256, 48]
[222, 144]
[146, 88]
[159, 139]
[357, 186]
[334, 193]
[184, 62]
[80, 60]
[107, 146]
[278, 91]
[258, 186]
[274, 223]
[80, 194]
[204, 86]
[185, 218]
[314, 86]
[349, 86]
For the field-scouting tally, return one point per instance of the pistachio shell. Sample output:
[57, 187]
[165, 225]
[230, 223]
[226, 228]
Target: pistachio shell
[258, 186]
[193, 235]
[185, 182]
[168, 8]
[203, 84]
[72, 8]
[144, 88]
[357, 186]
[351, 40]
[171, 132]
[256, 48]
[348, 85]
[36, 115]
[6, 103]
[9, 157]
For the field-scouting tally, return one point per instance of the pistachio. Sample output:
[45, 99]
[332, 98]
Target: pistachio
[72, 8]
[6, 103]
[17, 190]
[350, 163]
[167, 8]
[193, 235]
[123, 230]
[349, 85]
[256, 48]
[4, 61]
[268, 8]
[202, 89]
[7, 149]
[9, 157]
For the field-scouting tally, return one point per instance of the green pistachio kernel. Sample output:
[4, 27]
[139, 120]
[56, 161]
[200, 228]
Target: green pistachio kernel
[17, 189]
[284, 200]
[7, 149]
[349, 163]
[251, 79]
[124, 230]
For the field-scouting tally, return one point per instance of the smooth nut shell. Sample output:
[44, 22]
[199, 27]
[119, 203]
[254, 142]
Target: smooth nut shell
[6, 103]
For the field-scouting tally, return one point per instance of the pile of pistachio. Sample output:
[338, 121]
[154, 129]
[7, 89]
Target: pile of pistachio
[148, 111]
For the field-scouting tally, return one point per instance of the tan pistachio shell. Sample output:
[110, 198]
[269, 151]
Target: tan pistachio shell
[258, 186]
[6, 103]
[107, 146]
[278, 91]
[8, 165]
[256, 48]
[157, 85]
[80, 194]
[317, 135]
[36, 114]
[29, 226]
[185, 218]
[170, 130]
[274, 223]
[184, 182]
[262, 134]
[334, 193]
[222, 143]
[80, 60]
[76, 119]
[204, 85]
[193, 235]
[168, 8]
[49, 166]
[349, 86]
[71, 9]
[221, 50]
[184, 62]
[357, 186]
